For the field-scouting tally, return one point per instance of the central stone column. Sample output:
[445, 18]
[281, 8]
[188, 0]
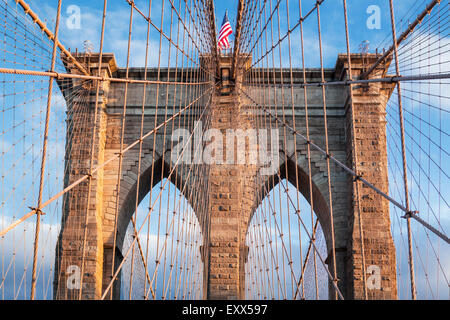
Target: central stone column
[232, 194]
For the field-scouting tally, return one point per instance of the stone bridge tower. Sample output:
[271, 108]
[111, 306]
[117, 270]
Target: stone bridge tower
[233, 191]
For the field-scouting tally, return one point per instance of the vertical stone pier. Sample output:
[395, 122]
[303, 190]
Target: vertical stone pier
[369, 103]
[80, 122]
[232, 194]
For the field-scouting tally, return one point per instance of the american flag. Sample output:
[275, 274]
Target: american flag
[225, 31]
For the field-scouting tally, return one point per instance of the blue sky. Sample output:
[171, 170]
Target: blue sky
[331, 13]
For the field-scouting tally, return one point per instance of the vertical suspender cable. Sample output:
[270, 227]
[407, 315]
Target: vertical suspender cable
[44, 151]
[94, 133]
[402, 133]
[355, 152]
[330, 195]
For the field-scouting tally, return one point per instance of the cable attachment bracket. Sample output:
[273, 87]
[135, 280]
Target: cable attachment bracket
[37, 210]
[409, 214]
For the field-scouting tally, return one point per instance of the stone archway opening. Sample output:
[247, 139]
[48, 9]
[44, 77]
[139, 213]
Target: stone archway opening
[281, 262]
[169, 244]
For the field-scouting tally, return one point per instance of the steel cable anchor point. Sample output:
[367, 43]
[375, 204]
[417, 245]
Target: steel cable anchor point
[409, 214]
[36, 210]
